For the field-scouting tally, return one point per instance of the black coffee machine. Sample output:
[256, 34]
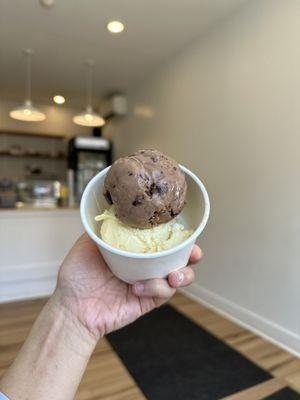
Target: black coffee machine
[87, 155]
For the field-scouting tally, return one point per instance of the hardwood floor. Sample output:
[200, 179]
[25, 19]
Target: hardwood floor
[116, 383]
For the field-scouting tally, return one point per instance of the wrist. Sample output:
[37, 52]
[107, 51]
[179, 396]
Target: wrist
[79, 333]
[57, 350]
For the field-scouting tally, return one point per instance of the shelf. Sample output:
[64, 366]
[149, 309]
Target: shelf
[39, 135]
[28, 155]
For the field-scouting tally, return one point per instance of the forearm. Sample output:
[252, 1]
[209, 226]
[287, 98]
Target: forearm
[52, 360]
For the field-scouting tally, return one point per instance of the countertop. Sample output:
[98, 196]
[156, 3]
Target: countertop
[35, 212]
[30, 208]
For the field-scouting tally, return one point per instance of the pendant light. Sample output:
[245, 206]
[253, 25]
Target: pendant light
[89, 117]
[27, 112]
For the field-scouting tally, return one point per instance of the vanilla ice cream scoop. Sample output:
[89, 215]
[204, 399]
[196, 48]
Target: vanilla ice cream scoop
[160, 237]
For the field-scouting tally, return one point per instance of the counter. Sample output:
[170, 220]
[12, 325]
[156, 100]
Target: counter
[33, 243]
[31, 208]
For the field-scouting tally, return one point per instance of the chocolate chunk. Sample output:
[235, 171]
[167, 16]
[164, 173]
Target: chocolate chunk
[130, 173]
[152, 189]
[144, 177]
[161, 189]
[173, 214]
[154, 218]
[138, 200]
[108, 197]
[175, 169]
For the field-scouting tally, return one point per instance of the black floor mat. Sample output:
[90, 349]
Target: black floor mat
[170, 357]
[284, 394]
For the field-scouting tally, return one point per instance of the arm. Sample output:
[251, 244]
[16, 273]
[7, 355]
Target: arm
[88, 303]
[51, 362]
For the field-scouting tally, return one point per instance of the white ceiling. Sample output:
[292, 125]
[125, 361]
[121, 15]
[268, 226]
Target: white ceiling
[64, 36]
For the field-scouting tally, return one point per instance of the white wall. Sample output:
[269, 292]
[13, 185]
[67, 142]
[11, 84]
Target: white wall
[228, 107]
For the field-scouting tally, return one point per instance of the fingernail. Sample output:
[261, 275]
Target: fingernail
[139, 288]
[179, 277]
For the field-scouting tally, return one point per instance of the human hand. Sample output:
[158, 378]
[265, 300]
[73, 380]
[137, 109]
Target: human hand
[100, 301]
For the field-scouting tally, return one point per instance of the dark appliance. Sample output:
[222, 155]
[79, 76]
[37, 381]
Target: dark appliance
[87, 155]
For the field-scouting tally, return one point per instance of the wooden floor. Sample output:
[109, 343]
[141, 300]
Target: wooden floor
[116, 384]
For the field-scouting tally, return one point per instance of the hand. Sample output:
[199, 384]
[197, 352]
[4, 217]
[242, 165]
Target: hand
[101, 302]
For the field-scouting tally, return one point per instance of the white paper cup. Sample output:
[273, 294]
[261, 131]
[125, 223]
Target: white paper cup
[131, 267]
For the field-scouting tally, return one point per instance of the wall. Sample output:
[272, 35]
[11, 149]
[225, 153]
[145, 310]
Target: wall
[15, 168]
[58, 122]
[228, 108]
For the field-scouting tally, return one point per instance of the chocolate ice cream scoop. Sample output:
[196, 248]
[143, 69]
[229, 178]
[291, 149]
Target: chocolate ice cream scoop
[146, 188]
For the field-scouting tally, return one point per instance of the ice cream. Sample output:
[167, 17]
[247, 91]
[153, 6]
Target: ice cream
[146, 192]
[156, 238]
[147, 189]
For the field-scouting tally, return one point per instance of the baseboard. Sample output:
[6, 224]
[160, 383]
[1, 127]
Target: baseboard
[27, 281]
[261, 326]
[44, 289]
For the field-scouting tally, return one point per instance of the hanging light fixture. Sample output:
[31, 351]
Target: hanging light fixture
[89, 117]
[27, 112]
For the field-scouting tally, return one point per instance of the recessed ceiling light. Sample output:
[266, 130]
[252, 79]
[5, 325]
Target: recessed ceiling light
[47, 3]
[115, 26]
[58, 99]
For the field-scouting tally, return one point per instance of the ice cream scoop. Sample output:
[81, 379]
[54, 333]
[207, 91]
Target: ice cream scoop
[132, 266]
[146, 188]
[124, 237]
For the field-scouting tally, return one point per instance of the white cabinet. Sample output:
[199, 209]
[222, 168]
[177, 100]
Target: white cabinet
[33, 244]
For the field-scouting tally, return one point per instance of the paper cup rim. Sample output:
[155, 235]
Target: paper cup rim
[157, 254]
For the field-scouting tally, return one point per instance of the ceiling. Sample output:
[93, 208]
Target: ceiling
[72, 31]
